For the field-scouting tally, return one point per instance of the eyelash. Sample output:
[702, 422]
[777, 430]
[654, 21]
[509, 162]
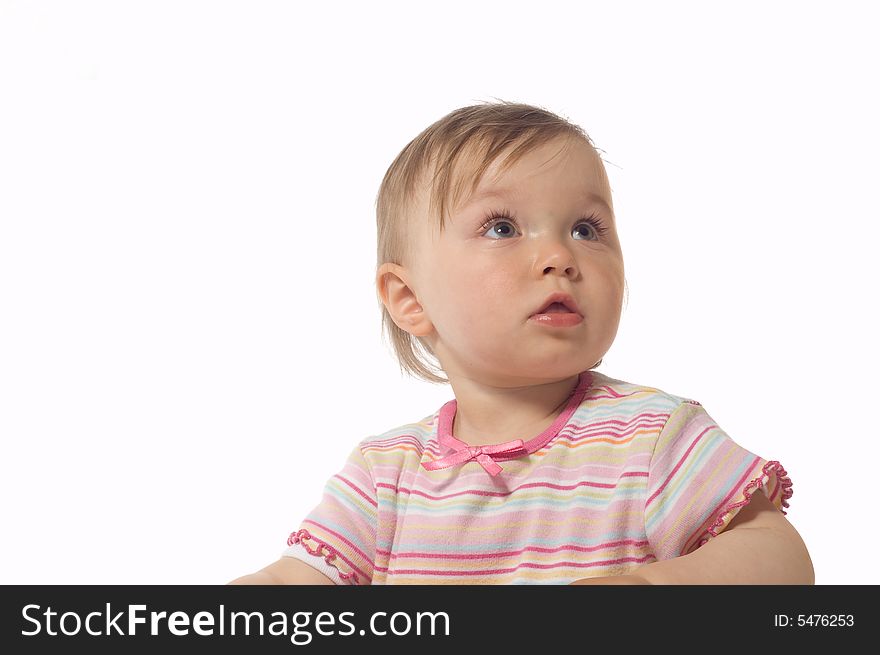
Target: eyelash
[505, 215]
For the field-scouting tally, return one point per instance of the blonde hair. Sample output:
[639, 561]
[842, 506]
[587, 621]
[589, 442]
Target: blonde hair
[458, 147]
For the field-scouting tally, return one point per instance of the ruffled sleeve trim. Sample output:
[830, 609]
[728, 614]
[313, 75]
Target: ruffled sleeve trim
[783, 482]
[321, 549]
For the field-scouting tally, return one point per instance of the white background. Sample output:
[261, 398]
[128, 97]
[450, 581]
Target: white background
[190, 338]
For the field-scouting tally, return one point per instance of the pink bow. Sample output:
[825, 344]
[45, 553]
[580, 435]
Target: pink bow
[480, 453]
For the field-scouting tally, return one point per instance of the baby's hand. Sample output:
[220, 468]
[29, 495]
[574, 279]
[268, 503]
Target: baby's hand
[613, 579]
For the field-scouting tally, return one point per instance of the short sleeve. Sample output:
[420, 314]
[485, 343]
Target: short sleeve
[698, 480]
[338, 537]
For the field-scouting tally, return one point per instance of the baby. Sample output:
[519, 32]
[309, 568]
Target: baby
[498, 259]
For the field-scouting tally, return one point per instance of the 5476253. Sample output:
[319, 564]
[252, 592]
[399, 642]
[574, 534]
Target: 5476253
[813, 620]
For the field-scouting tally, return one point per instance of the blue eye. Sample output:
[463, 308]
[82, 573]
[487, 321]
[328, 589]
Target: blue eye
[497, 219]
[494, 224]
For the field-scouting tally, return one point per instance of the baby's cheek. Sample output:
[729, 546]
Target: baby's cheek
[500, 290]
[484, 298]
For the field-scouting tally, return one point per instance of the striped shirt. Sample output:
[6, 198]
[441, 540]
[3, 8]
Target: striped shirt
[626, 475]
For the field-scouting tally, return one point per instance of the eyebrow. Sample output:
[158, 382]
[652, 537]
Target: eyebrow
[504, 192]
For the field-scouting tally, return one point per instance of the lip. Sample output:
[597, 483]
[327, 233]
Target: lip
[557, 319]
[562, 298]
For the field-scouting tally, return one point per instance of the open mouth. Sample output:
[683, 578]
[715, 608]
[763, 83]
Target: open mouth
[559, 310]
[556, 308]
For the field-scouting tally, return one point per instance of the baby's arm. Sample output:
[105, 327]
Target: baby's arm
[759, 546]
[287, 570]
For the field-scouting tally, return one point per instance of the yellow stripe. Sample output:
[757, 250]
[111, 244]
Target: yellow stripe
[587, 523]
[483, 502]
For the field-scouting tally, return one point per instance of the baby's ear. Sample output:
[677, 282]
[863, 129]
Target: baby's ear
[392, 285]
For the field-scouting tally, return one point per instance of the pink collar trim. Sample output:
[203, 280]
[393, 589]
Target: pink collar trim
[488, 454]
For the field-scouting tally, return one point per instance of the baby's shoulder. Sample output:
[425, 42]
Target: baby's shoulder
[628, 397]
[399, 444]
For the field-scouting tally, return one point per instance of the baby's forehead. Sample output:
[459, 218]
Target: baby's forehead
[581, 179]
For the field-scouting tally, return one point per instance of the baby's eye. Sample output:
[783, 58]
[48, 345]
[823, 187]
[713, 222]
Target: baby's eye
[507, 227]
[595, 226]
[504, 228]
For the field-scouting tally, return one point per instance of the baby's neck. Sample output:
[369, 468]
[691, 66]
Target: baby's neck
[474, 438]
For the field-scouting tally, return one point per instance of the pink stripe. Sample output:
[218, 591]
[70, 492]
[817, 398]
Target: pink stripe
[554, 467]
[538, 549]
[393, 441]
[562, 474]
[524, 565]
[611, 392]
[565, 487]
[635, 419]
[678, 466]
[644, 417]
[480, 492]
[357, 489]
[351, 545]
[587, 437]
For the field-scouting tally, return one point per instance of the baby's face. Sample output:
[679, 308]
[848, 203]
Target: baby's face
[479, 283]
